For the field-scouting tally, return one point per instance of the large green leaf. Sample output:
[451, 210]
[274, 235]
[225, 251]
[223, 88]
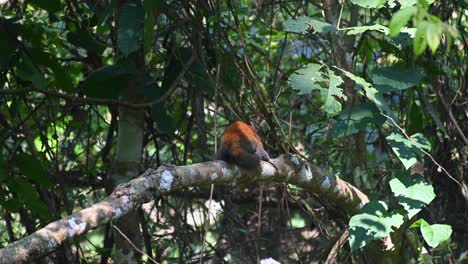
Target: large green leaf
[86, 40]
[434, 34]
[420, 39]
[371, 224]
[400, 19]
[164, 121]
[408, 150]
[28, 71]
[395, 78]
[108, 81]
[413, 193]
[32, 168]
[357, 118]
[305, 80]
[130, 27]
[27, 195]
[433, 234]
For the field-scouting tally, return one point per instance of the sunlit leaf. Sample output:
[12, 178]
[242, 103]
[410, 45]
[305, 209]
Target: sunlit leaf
[400, 19]
[433, 234]
[374, 222]
[407, 150]
[412, 192]
[433, 34]
[420, 39]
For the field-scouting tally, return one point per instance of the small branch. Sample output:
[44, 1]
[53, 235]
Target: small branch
[133, 245]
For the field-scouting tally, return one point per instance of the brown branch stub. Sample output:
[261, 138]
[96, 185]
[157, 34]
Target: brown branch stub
[130, 195]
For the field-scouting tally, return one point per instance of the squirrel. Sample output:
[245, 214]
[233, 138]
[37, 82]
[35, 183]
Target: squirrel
[241, 145]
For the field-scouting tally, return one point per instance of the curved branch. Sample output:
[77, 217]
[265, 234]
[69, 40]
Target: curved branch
[127, 197]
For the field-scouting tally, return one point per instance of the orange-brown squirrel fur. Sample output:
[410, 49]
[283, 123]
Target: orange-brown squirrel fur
[241, 145]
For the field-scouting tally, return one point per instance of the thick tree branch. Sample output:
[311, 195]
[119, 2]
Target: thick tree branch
[127, 197]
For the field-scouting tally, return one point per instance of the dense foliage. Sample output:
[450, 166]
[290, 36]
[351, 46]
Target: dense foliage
[372, 91]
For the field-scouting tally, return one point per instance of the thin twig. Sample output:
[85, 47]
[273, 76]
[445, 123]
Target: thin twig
[133, 245]
[440, 167]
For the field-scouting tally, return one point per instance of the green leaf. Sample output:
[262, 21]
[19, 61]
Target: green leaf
[32, 168]
[164, 121]
[355, 119]
[407, 150]
[108, 81]
[332, 105]
[130, 27]
[28, 196]
[433, 34]
[362, 29]
[412, 192]
[369, 3]
[395, 78]
[433, 234]
[302, 24]
[86, 40]
[400, 19]
[371, 224]
[420, 39]
[27, 71]
[372, 93]
[306, 80]
[406, 3]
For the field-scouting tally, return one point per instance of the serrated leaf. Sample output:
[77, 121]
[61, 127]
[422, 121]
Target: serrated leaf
[32, 168]
[433, 34]
[369, 3]
[395, 78]
[371, 224]
[407, 150]
[362, 29]
[302, 24]
[355, 119]
[332, 105]
[400, 19]
[297, 25]
[108, 81]
[130, 27]
[305, 80]
[413, 193]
